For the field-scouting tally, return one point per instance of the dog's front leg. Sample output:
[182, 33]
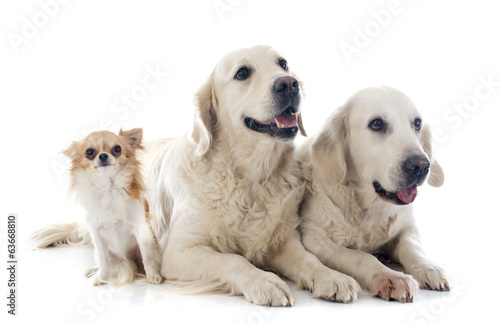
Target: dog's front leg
[212, 270]
[102, 257]
[365, 268]
[302, 267]
[407, 251]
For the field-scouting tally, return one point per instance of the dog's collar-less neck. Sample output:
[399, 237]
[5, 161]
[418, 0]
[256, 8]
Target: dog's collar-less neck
[264, 156]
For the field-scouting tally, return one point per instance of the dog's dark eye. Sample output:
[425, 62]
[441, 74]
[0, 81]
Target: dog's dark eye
[283, 64]
[90, 153]
[117, 150]
[418, 124]
[376, 125]
[242, 74]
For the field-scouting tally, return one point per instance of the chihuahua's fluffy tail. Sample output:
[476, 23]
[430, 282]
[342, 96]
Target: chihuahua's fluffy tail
[71, 234]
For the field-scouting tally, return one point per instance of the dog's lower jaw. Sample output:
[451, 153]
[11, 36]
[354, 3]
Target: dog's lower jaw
[272, 129]
[282, 126]
[403, 197]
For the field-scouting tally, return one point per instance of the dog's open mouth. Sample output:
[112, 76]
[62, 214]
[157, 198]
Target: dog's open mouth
[403, 197]
[283, 126]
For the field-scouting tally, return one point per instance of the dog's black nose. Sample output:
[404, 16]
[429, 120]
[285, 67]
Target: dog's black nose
[103, 157]
[286, 85]
[417, 165]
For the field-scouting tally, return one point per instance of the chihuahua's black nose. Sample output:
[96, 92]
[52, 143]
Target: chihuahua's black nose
[103, 157]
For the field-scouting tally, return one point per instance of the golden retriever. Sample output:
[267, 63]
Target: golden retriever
[362, 173]
[226, 195]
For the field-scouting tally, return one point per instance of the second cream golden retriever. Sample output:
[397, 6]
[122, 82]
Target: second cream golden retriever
[362, 172]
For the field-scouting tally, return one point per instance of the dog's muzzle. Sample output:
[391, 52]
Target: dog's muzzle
[284, 125]
[414, 169]
[103, 160]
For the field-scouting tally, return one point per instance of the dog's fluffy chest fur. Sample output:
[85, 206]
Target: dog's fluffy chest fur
[247, 216]
[355, 224]
[378, 227]
[104, 195]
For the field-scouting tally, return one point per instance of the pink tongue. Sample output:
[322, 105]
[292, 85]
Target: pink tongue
[288, 120]
[408, 195]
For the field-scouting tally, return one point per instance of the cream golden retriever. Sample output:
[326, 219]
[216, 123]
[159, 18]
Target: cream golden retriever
[226, 195]
[362, 172]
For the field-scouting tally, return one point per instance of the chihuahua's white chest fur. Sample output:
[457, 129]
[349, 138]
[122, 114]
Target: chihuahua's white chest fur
[104, 196]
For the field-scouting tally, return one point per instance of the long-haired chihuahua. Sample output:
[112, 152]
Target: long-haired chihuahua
[106, 179]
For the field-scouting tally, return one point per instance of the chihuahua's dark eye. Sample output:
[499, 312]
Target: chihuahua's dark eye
[418, 124]
[242, 74]
[376, 125]
[117, 150]
[90, 153]
[283, 64]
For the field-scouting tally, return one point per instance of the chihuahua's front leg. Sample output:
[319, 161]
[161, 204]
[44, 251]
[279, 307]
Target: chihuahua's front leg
[102, 257]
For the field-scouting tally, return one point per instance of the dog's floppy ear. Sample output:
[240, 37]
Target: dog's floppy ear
[329, 151]
[301, 126]
[132, 137]
[436, 175]
[302, 130]
[205, 120]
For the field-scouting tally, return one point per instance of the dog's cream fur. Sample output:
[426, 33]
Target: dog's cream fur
[226, 197]
[344, 220]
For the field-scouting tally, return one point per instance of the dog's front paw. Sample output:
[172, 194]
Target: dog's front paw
[98, 281]
[101, 279]
[394, 285]
[268, 289]
[430, 277]
[91, 271]
[335, 286]
[154, 278]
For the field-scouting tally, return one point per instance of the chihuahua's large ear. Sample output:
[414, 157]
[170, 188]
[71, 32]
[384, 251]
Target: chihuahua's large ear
[72, 151]
[329, 151]
[132, 137]
[436, 175]
[205, 118]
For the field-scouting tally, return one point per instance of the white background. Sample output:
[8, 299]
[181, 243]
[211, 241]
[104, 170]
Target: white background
[66, 72]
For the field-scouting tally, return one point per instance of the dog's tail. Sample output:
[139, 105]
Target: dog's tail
[71, 234]
[201, 288]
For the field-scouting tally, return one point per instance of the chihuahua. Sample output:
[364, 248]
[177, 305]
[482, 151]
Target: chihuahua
[106, 179]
